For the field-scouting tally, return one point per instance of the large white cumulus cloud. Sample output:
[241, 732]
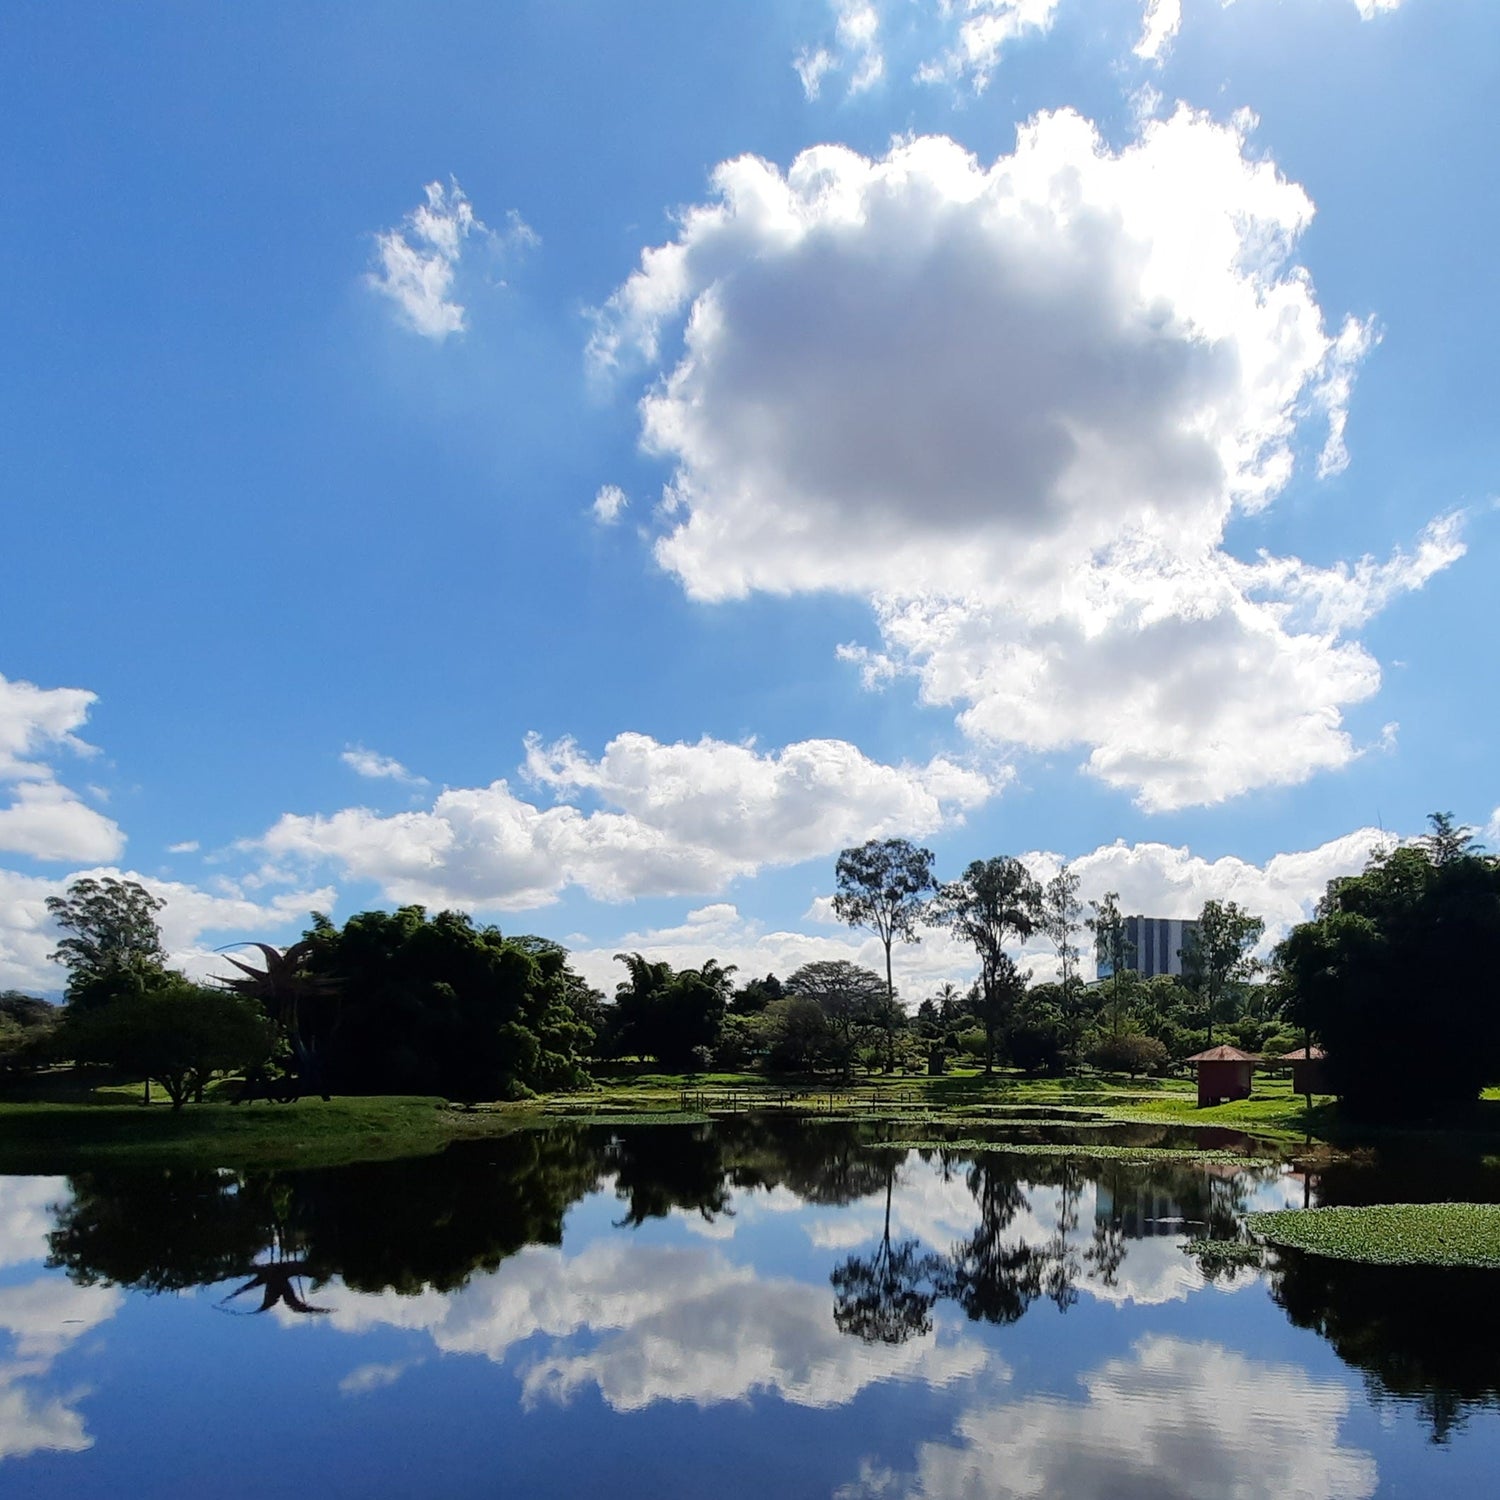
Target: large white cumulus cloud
[677, 819]
[1016, 407]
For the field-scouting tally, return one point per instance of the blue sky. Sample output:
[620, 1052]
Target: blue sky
[588, 464]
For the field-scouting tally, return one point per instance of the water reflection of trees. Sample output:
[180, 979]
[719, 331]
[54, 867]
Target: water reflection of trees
[273, 1239]
[408, 1225]
[1420, 1335]
[993, 1275]
[402, 1226]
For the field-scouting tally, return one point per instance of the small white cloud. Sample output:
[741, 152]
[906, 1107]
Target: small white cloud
[609, 503]
[1159, 25]
[371, 1378]
[1162, 20]
[377, 767]
[986, 29]
[187, 846]
[49, 822]
[417, 261]
[810, 67]
[855, 50]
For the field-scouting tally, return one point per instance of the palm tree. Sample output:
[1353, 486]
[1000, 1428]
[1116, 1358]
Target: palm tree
[300, 1004]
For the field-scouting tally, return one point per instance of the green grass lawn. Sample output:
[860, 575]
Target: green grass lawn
[37, 1136]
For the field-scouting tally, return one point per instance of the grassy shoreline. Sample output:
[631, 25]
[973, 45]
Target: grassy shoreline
[67, 1128]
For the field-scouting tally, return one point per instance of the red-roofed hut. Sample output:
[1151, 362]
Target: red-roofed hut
[1223, 1073]
[1307, 1069]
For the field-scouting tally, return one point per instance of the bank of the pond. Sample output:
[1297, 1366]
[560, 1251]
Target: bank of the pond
[46, 1137]
[62, 1125]
[1389, 1234]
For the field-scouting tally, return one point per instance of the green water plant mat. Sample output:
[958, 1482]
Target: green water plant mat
[1390, 1234]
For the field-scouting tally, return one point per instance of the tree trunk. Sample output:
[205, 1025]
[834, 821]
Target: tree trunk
[890, 1000]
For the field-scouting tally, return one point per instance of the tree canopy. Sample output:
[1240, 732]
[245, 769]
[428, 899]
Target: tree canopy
[885, 885]
[994, 899]
[440, 1005]
[1218, 955]
[114, 945]
[1394, 978]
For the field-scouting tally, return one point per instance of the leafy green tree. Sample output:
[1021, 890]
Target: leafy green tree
[585, 1003]
[177, 1033]
[1219, 956]
[114, 945]
[754, 996]
[797, 1035]
[439, 1005]
[1061, 917]
[671, 1015]
[1394, 976]
[1446, 841]
[1128, 1052]
[1039, 1039]
[26, 1025]
[887, 886]
[993, 900]
[1112, 948]
[854, 1003]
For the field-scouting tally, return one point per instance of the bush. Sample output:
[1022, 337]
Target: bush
[972, 1041]
[1131, 1053]
[1036, 1046]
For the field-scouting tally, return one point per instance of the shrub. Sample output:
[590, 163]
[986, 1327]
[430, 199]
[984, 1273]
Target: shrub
[972, 1041]
[1130, 1053]
[1036, 1046]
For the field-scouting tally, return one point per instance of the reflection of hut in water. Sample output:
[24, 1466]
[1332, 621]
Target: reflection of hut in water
[1308, 1069]
[1223, 1073]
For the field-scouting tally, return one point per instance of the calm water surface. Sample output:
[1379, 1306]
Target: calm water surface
[757, 1309]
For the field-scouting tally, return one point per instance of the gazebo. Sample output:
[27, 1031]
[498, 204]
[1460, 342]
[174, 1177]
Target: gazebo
[1223, 1073]
[1307, 1069]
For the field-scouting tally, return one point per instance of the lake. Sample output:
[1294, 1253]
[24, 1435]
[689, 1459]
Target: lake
[761, 1307]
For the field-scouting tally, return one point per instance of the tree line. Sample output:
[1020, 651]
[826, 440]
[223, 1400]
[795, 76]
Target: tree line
[1390, 978]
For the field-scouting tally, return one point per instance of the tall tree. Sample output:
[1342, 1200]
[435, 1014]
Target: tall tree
[114, 947]
[993, 900]
[1111, 946]
[1218, 955]
[1061, 917]
[887, 886]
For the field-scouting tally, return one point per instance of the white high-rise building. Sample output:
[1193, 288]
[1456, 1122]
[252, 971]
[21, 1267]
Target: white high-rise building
[1153, 946]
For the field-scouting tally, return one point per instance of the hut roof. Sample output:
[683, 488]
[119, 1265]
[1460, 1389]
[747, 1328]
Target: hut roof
[1303, 1054]
[1224, 1054]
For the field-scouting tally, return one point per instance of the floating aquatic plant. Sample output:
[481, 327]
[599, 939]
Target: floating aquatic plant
[1389, 1234]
